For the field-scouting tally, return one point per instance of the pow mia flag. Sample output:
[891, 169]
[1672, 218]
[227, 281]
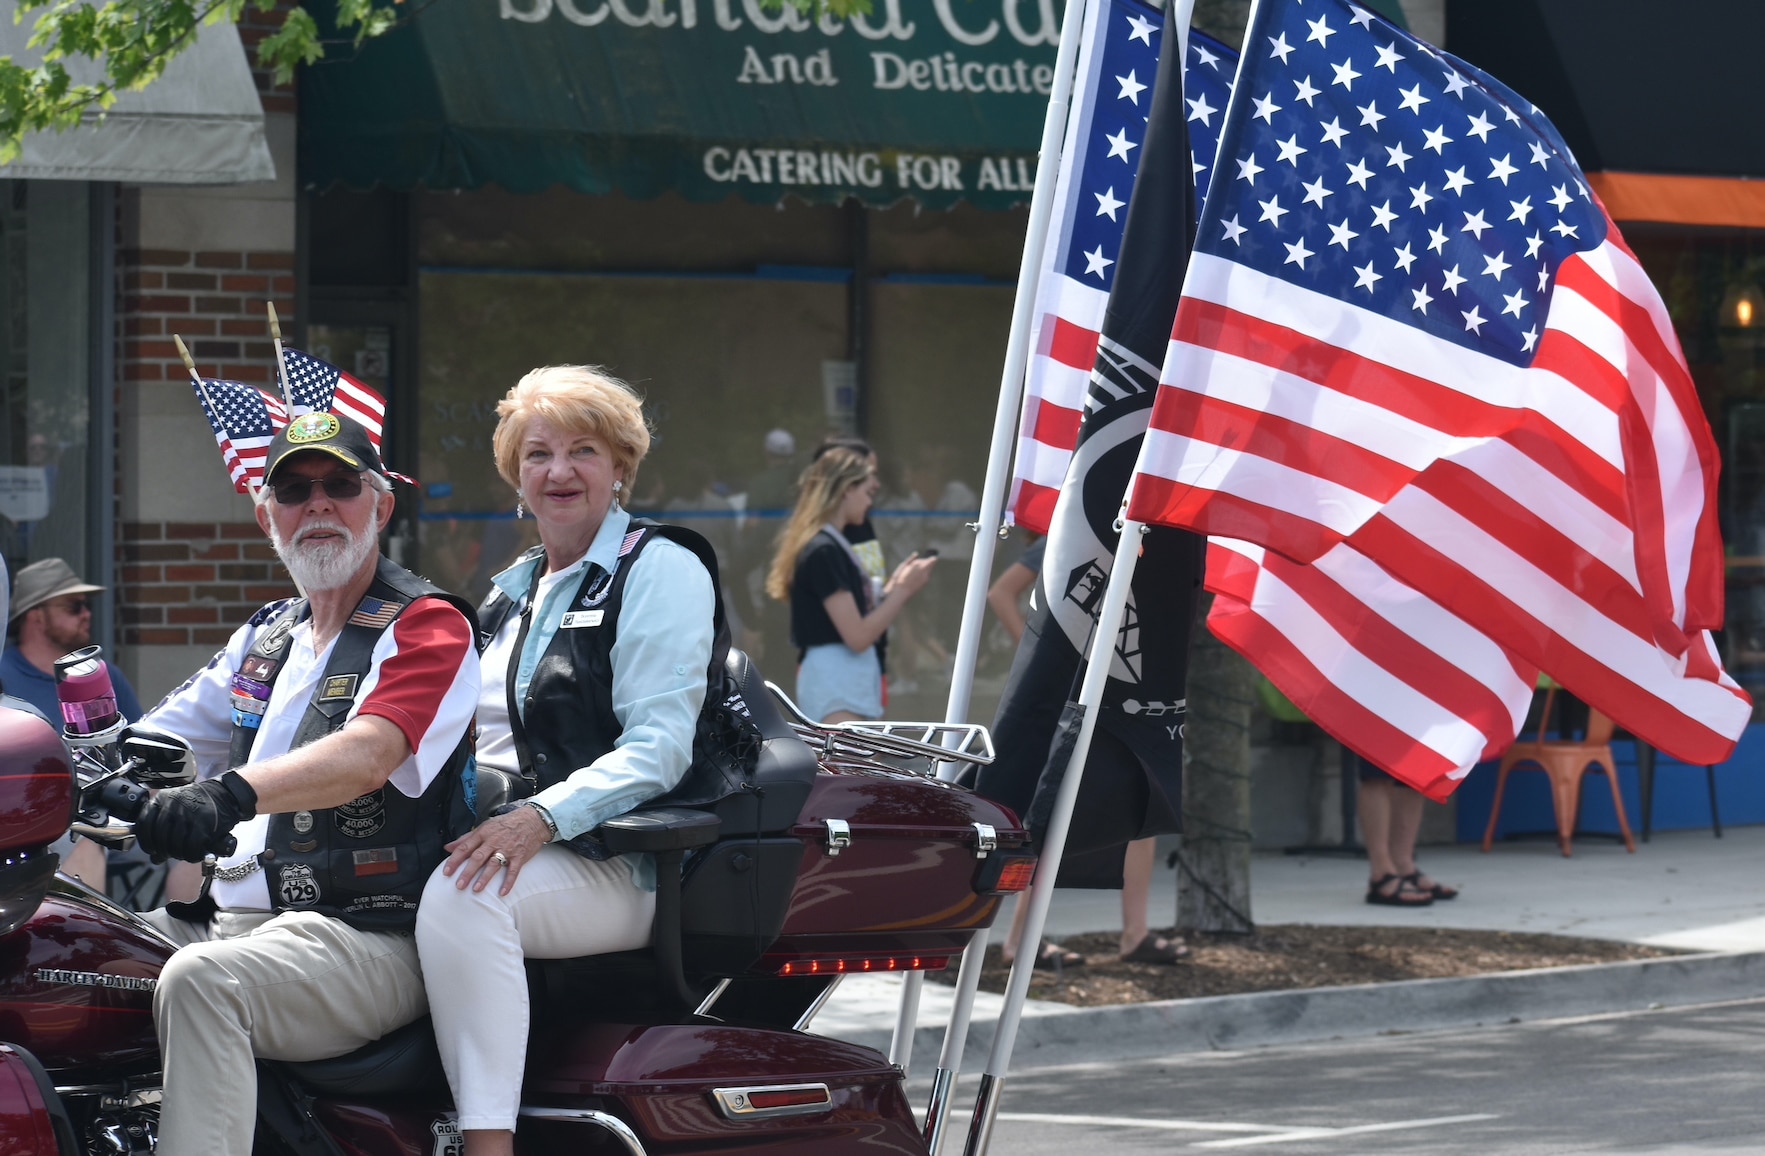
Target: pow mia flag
[1133, 776]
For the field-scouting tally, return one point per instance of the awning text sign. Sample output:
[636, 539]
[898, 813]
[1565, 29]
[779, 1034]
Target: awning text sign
[937, 99]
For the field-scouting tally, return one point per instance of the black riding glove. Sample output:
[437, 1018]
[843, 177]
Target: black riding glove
[190, 822]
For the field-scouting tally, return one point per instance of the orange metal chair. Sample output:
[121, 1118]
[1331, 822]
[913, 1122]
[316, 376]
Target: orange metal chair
[1565, 762]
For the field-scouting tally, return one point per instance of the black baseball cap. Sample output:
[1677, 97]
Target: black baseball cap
[326, 433]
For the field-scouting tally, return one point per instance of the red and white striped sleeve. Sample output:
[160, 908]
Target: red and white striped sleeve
[424, 681]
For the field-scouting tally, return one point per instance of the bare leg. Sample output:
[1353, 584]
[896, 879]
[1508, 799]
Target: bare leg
[1406, 824]
[1136, 891]
[1375, 815]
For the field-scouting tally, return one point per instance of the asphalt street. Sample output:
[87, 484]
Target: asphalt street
[1677, 1081]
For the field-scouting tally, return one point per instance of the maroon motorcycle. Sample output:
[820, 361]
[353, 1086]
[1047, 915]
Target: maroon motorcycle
[839, 855]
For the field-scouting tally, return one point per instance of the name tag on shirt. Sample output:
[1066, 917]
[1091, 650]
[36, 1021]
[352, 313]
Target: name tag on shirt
[580, 618]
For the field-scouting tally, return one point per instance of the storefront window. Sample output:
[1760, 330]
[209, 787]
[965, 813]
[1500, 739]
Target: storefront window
[45, 372]
[1714, 285]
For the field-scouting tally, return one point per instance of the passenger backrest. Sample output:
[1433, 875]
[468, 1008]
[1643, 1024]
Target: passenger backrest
[786, 769]
[735, 894]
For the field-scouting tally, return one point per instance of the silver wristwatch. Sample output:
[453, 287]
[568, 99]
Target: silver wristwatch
[551, 824]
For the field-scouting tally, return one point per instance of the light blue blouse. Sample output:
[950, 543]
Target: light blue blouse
[659, 661]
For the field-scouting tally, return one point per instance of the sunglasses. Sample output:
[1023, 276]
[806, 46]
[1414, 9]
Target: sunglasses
[338, 487]
[73, 609]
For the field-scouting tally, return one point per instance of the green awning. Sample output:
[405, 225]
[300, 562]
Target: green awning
[939, 100]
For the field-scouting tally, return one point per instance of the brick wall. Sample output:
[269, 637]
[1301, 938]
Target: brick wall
[192, 584]
[215, 301]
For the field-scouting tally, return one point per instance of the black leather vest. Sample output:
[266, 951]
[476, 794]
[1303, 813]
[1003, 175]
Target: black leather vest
[566, 721]
[366, 861]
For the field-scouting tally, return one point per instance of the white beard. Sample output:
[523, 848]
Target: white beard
[323, 565]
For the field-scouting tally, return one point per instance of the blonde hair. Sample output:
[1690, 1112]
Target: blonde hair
[820, 491]
[576, 399]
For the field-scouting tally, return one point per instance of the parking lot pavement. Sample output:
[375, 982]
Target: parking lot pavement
[1664, 1083]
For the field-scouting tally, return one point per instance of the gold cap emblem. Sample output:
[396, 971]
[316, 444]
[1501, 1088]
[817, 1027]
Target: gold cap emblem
[313, 427]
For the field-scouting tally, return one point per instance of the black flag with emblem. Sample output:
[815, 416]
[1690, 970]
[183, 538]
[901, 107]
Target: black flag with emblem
[1132, 786]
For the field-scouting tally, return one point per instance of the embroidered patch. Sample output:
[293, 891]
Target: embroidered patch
[378, 861]
[251, 688]
[313, 427]
[298, 885]
[630, 542]
[375, 613]
[248, 705]
[303, 822]
[577, 619]
[277, 633]
[258, 668]
[598, 589]
[364, 817]
[448, 1141]
[339, 686]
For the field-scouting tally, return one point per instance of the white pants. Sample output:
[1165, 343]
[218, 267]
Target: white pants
[294, 986]
[472, 945]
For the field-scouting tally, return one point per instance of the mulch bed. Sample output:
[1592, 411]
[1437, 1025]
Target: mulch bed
[1278, 958]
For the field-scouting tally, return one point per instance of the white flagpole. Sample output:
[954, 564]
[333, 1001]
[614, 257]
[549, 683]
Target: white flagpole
[980, 570]
[1115, 600]
[281, 362]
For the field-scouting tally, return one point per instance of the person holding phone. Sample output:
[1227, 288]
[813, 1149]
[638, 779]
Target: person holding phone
[838, 617]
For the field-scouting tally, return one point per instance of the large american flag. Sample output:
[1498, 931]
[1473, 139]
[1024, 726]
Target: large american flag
[1105, 131]
[1436, 414]
[244, 419]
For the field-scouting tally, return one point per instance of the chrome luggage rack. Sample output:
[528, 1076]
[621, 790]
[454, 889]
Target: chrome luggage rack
[882, 739]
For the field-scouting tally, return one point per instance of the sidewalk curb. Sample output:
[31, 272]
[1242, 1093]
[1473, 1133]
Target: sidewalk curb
[1260, 1019]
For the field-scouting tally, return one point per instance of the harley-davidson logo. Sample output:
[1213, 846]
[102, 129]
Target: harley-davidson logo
[95, 979]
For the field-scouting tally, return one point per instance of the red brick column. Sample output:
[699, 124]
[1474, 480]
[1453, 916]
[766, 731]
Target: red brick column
[194, 583]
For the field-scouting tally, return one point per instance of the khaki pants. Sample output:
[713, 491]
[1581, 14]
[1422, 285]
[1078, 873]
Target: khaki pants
[294, 986]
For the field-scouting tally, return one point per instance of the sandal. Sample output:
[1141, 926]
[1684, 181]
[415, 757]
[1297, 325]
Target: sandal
[1053, 957]
[1439, 891]
[1405, 894]
[1157, 949]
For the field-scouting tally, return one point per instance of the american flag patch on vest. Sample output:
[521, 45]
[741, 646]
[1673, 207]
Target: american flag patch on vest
[375, 613]
[630, 542]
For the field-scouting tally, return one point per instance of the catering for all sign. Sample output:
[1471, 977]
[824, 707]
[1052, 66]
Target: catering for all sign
[942, 100]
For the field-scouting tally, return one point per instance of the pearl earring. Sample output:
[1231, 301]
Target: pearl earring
[520, 509]
[618, 485]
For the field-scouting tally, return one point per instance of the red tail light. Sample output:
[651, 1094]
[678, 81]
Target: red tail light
[1017, 875]
[1005, 871]
[790, 1098]
[842, 964]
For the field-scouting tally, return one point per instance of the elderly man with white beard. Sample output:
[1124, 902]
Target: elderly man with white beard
[332, 737]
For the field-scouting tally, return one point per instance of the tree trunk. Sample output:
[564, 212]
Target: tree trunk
[1213, 881]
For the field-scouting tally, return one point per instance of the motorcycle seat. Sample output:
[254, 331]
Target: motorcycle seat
[397, 1063]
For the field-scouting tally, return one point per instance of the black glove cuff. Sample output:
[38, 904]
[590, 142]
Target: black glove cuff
[241, 792]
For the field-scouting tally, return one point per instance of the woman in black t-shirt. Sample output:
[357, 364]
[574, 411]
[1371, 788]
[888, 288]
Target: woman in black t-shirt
[836, 620]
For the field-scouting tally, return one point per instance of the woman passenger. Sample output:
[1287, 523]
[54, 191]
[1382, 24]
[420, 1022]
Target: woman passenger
[593, 683]
[837, 618]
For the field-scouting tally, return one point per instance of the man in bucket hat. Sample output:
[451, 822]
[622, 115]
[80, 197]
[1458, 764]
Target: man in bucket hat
[52, 616]
[330, 736]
